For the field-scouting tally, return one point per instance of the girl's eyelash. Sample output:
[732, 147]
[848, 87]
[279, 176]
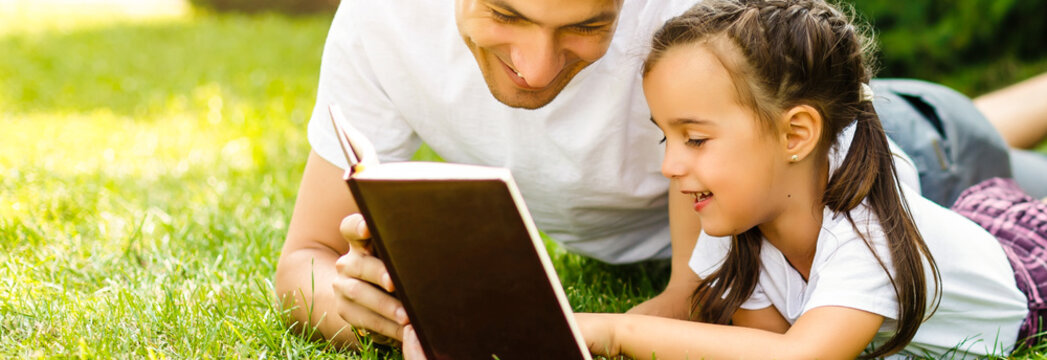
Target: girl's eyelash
[692, 142]
[696, 142]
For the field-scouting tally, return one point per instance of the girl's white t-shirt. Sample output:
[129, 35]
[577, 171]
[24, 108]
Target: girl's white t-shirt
[981, 307]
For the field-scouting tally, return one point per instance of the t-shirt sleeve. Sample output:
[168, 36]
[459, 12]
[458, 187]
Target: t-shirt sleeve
[847, 274]
[347, 78]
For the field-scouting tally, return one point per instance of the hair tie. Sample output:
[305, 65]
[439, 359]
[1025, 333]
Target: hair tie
[866, 93]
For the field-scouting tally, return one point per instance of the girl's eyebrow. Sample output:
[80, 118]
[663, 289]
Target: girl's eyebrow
[689, 121]
[685, 120]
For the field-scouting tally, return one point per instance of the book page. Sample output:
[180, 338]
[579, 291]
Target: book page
[422, 170]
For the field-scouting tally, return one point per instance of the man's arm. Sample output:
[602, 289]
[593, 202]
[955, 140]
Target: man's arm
[684, 227]
[326, 296]
[1018, 112]
[326, 273]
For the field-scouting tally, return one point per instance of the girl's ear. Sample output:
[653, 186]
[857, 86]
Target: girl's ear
[802, 129]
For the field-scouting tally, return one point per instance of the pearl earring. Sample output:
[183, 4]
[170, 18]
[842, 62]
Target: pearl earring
[795, 158]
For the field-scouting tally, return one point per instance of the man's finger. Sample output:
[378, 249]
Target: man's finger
[359, 316]
[376, 326]
[371, 298]
[365, 267]
[354, 230]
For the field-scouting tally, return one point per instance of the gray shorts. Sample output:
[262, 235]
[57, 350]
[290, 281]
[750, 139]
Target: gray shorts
[951, 143]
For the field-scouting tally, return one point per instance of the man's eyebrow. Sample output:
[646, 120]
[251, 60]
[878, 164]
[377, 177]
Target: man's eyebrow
[605, 16]
[501, 4]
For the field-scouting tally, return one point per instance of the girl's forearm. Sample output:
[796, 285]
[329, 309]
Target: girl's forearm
[827, 332]
[648, 337]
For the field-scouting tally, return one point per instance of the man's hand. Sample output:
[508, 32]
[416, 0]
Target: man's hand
[363, 287]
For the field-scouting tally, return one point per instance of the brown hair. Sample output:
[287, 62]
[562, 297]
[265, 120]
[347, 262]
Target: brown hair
[808, 52]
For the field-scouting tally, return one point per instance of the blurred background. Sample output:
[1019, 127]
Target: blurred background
[150, 153]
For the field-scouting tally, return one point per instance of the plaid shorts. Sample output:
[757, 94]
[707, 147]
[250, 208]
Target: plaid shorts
[1019, 222]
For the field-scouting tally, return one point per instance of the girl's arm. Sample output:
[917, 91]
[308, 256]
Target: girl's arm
[829, 332]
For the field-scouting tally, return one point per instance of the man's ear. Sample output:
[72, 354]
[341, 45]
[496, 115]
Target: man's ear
[802, 127]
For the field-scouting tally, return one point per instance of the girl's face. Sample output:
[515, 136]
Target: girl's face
[716, 150]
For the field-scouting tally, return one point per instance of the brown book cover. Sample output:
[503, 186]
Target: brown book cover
[465, 256]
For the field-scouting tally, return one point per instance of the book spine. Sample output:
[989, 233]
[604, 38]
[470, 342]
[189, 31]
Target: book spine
[381, 253]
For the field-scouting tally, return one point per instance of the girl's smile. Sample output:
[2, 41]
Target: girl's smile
[701, 199]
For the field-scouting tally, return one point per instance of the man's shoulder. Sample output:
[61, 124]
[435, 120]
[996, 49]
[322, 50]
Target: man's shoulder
[384, 18]
[396, 7]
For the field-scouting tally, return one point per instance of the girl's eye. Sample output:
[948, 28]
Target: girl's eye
[662, 141]
[696, 142]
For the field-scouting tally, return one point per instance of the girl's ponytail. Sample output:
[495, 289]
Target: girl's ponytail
[857, 175]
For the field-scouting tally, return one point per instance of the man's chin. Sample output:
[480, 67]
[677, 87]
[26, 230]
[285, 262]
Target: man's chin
[523, 103]
[522, 99]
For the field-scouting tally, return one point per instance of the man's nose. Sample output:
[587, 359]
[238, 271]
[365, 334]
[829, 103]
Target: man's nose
[538, 58]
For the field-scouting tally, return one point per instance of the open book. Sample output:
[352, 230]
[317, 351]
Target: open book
[464, 254]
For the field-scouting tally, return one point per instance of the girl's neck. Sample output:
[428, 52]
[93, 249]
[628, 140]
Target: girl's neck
[794, 232]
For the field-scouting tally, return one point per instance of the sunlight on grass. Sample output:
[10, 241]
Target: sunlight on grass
[35, 16]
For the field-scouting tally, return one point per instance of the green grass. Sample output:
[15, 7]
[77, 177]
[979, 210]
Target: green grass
[148, 169]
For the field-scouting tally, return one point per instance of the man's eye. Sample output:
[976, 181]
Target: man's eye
[587, 30]
[505, 18]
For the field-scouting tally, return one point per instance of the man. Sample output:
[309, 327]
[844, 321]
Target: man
[549, 89]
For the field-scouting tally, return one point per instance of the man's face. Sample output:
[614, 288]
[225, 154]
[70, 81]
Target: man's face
[528, 50]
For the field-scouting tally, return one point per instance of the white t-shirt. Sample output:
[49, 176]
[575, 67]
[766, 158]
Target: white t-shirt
[588, 163]
[981, 307]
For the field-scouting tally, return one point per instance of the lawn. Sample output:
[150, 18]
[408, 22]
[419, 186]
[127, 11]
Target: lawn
[148, 168]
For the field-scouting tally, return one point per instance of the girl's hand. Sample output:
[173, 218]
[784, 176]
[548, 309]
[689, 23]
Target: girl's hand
[598, 331]
[412, 347]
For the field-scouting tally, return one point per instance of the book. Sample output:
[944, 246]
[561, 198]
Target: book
[464, 255]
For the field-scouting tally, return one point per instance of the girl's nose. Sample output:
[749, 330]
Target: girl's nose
[672, 168]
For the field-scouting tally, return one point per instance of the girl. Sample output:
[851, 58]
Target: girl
[810, 248]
